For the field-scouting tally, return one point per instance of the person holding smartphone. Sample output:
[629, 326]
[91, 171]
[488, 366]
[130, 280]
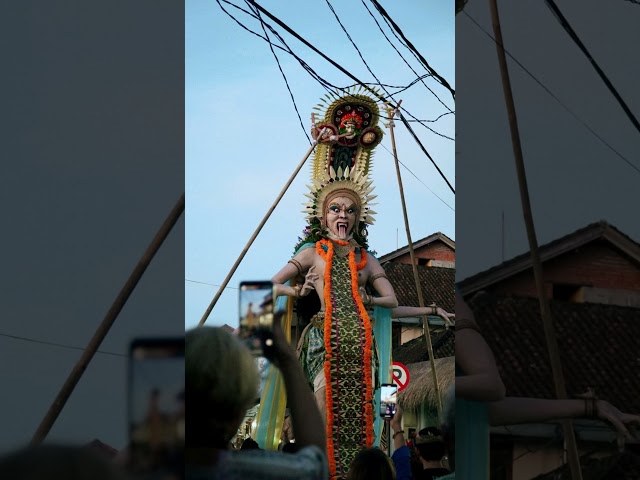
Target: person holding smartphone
[221, 381]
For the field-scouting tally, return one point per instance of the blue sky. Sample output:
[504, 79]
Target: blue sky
[244, 139]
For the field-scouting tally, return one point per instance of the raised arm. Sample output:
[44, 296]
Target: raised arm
[515, 410]
[300, 265]
[481, 380]
[378, 280]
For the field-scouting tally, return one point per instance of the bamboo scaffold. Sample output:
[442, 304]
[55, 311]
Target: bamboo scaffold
[425, 321]
[103, 328]
[549, 331]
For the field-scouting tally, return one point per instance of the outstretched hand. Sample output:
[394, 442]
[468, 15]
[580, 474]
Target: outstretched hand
[310, 280]
[621, 421]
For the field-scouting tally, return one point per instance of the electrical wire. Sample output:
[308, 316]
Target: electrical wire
[53, 344]
[401, 56]
[408, 170]
[205, 283]
[442, 81]
[350, 75]
[283, 75]
[574, 36]
[552, 95]
[323, 82]
[389, 95]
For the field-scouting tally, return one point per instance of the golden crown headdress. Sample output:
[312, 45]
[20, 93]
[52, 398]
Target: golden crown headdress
[343, 157]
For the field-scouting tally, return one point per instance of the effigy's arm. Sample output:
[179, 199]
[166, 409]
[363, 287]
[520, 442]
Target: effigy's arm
[299, 265]
[387, 297]
[515, 410]
[481, 380]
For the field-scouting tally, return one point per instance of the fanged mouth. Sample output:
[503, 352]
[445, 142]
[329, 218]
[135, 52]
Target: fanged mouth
[342, 228]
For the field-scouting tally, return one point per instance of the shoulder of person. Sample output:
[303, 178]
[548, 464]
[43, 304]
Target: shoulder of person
[309, 463]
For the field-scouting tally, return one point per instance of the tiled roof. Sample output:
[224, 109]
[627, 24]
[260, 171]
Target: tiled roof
[622, 466]
[598, 347]
[438, 236]
[415, 350]
[437, 284]
[596, 231]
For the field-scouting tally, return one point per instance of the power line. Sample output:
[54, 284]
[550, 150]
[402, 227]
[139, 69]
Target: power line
[323, 82]
[389, 95]
[407, 168]
[572, 34]
[283, 75]
[206, 283]
[444, 83]
[552, 95]
[350, 75]
[71, 347]
[401, 56]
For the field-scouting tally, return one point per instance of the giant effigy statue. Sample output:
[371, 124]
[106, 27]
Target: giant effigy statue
[338, 348]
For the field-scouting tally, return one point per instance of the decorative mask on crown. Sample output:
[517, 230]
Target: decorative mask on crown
[343, 157]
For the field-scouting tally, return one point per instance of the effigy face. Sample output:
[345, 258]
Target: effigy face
[341, 216]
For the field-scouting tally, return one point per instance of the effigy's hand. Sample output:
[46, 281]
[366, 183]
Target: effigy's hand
[310, 280]
[621, 421]
[366, 298]
[446, 316]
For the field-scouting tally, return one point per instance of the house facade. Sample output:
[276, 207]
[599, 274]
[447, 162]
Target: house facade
[592, 281]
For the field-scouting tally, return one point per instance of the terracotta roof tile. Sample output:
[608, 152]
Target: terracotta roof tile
[598, 347]
[437, 284]
[415, 350]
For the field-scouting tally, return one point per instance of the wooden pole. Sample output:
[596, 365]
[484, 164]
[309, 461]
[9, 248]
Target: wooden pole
[425, 321]
[102, 330]
[549, 331]
[255, 234]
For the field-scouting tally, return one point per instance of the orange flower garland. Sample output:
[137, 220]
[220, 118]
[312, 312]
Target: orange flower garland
[328, 258]
[368, 341]
[353, 267]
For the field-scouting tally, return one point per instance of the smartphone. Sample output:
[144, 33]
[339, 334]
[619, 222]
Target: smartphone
[256, 304]
[156, 407]
[388, 400]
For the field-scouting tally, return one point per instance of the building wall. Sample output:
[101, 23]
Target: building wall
[596, 265]
[436, 250]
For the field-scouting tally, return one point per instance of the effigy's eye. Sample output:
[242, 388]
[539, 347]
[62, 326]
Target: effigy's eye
[351, 211]
[334, 209]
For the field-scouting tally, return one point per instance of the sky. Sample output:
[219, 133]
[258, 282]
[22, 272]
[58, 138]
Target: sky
[244, 139]
[573, 178]
[93, 167]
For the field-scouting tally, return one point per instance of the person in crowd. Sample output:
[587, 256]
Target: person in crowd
[431, 450]
[401, 456]
[221, 381]
[249, 444]
[371, 464]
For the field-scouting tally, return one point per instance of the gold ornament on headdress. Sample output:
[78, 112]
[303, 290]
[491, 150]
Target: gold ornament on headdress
[344, 155]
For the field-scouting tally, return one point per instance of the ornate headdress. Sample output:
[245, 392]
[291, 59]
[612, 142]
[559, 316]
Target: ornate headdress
[342, 161]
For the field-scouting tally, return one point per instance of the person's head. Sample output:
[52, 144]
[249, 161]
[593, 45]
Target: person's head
[221, 383]
[430, 444]
[341, 211]
[371, 464]
[249, 444]
[53, 462]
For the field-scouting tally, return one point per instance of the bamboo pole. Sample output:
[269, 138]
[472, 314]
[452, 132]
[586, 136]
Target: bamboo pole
[102, 330]
[425, 321]
[549, 331]
[255, 234]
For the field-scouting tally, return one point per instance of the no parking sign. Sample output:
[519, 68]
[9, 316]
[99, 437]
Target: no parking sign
[400, 375]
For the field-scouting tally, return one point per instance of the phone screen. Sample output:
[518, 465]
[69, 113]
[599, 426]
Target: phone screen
[388, 400]
[256, 314]
[156, 406]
